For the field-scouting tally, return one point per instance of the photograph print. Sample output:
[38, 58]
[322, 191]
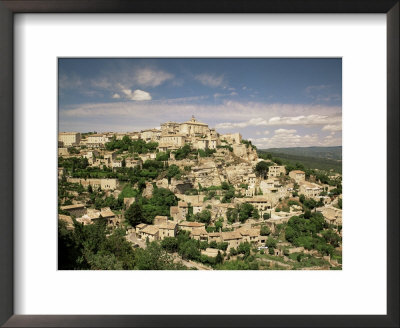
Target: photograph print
[199, 164]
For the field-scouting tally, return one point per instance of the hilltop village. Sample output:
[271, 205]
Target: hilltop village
[187, 197]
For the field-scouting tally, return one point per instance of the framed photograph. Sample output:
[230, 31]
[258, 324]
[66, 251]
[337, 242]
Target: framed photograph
[172, 167]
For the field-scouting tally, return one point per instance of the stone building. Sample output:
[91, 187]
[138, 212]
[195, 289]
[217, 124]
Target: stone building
[297, 175]
[199, 234]
[233, 238]
[167, 229]
[104, 184]
[276, 171]
[150, 135]
[309, 189]
[96, 140]
[75, 209]
[69, 138]
[261, 203]
[189, 226]
[232, 138]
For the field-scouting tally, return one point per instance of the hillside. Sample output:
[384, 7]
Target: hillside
[321, 158]
[334, 153]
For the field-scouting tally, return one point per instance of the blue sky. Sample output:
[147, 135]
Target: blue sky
[273, 102]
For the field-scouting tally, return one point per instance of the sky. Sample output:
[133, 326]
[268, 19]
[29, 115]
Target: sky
[272, 102]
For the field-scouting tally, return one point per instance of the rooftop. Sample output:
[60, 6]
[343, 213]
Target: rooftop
[71, 207]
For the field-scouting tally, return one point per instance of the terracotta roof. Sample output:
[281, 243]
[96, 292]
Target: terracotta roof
[199, 232]
[249, 232]
[150, 230]
[106, 212]
[168, 225]
[73, 206]
[141, 225]
[191, 224]
[297, 171]
[230, 235]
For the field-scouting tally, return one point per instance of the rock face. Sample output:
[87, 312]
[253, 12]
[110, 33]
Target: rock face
[148, 191]
[180, 186]
[245, 152]
[163, 183]
[236, 173]
[206, 174]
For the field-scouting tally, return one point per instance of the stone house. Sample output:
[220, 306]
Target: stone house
[183, 208]
[189, 226]
[310, 190]
[250, 235]
[174, 212]
[139, 227]
[197, 208]
[69, 138]
[199, 234]
[159, 219]
[297, 175]
[167, 229]
[75, 209]
[104, 184]
[261, 203]
[214, 236]
[149, 231]
[276, 171]
[233, 238]
[63, 152]
[109, 215]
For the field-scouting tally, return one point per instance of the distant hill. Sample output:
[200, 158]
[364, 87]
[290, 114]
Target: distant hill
[334, 153]
[321, 158]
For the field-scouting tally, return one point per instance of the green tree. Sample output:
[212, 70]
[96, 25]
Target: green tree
[244, 248]
[173, 171]
[204, 216]
[265, 230]
[262, 168]
[246, 211]
[266, 216]
[170, 244]
[271, 242]
[154, 257]
[134, 214]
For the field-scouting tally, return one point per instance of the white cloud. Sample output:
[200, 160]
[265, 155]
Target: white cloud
[210, 80]
[233, 94]
[279, 140]
[332, 127]
[148, 77]
[287, 120]
[285, 131]
[140, 95]
[137, 95]
[116, 96]
[237, 115]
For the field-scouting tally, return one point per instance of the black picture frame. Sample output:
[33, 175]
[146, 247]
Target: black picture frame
[10, 7]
